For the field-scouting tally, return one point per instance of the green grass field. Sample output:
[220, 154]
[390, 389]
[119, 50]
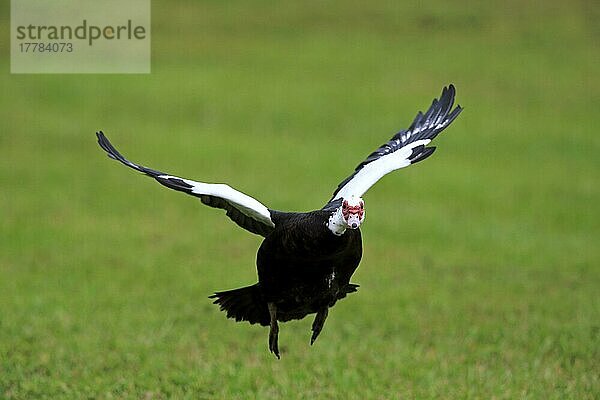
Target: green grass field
[481, 269]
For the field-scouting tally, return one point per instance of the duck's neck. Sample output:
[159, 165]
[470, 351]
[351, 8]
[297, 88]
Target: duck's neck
[336, 223]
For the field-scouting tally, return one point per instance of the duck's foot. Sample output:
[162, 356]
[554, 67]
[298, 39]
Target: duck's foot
[318, 324]
[274, 330]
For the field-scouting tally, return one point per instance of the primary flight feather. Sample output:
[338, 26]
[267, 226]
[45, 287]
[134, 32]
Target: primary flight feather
[306, 259]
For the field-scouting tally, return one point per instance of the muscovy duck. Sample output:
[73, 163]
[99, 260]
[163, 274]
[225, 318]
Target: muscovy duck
[306, 259]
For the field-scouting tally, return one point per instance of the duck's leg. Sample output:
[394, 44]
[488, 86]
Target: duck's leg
[274, 330]
[318, 323]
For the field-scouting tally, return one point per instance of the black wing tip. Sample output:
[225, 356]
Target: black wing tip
[103, 140]
[442, 111]
[452, 115]
[449, 90]
[112, 152]
[437, 117]
[107, 146]
[448, 94]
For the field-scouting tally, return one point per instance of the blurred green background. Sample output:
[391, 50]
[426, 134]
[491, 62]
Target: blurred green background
[480, 276]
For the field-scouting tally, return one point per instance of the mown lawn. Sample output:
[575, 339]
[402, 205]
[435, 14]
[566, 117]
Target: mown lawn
[481, 270]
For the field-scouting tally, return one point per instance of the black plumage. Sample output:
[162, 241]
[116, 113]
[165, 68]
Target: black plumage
[301, 266]
[306, 260]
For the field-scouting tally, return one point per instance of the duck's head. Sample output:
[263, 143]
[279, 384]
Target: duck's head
[353, 211]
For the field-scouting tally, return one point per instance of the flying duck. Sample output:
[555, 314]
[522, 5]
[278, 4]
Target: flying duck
[306, 259]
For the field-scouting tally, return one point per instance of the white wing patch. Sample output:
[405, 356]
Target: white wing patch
[244, 203]
[374, 171]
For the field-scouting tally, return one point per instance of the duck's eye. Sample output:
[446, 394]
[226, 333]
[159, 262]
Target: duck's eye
[362, 206]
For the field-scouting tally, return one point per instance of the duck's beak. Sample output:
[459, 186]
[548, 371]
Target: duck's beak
[353, 221]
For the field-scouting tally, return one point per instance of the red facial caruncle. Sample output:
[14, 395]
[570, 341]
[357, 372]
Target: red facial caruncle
[357, 210]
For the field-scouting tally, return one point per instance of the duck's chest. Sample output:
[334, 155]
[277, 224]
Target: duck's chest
[308, 270]
[315, 254]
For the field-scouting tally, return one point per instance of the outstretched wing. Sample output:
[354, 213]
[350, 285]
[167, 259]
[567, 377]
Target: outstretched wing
[245, 211]
[405, 148]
